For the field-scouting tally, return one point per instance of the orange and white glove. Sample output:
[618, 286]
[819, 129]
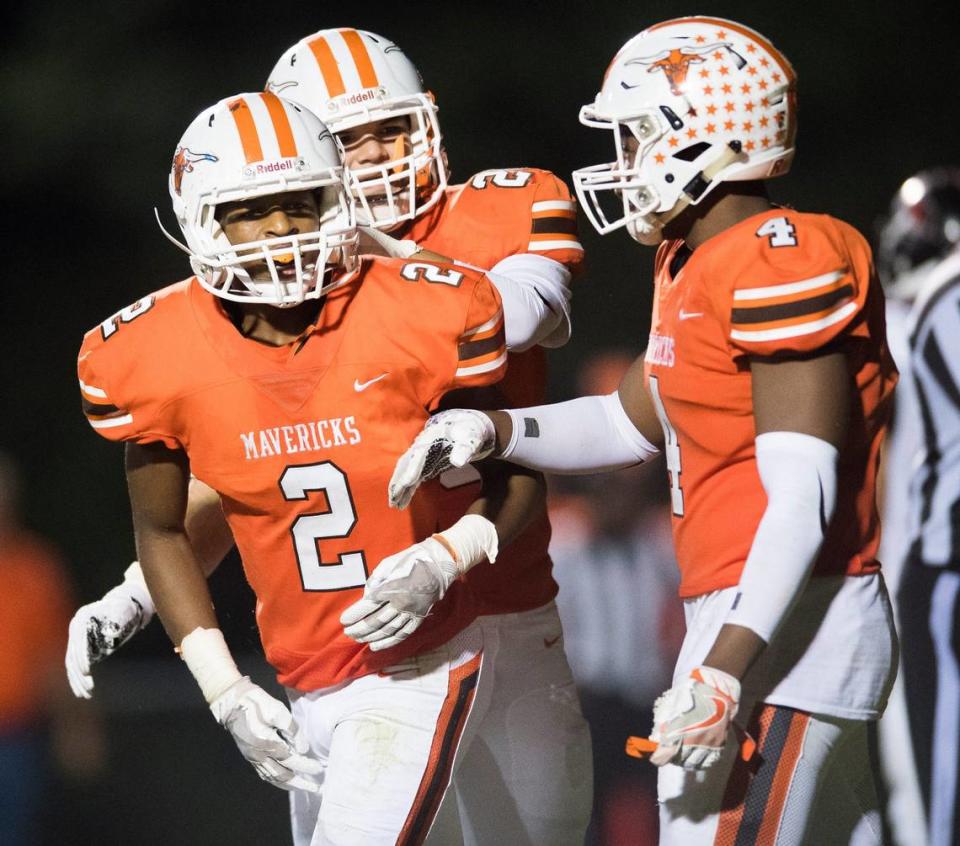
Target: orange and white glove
[692, 720]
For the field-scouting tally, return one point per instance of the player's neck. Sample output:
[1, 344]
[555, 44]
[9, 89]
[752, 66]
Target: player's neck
[273, 326]
[734, 202]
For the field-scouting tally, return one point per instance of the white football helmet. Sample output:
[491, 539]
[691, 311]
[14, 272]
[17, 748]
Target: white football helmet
[248, 146]
[691, 102]
[349, 77]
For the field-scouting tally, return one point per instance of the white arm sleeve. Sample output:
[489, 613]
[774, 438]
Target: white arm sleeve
[536, 300]
[585, 435]
[799, 474]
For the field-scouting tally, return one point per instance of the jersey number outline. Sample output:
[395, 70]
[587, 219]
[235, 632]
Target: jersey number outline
[414, 271]
[126, 315]
[338, 521]
[671, 449]
[501, 178]
[781, 232]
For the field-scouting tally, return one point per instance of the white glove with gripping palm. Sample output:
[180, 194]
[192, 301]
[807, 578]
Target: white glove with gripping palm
[100, 628]
[692, 720]
[403, 588]
[262, 727]
[448, 439]
[267, 736]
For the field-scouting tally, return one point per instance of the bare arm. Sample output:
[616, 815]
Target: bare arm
[511, 498]
[206, 527]
[810, 396]
[158, 480]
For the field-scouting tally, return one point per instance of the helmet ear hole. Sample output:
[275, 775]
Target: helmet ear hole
[693, 152]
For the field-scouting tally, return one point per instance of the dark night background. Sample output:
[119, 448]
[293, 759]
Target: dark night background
[96, 95]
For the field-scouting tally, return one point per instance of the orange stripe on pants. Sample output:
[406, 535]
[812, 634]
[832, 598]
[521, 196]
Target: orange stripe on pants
[453, 715]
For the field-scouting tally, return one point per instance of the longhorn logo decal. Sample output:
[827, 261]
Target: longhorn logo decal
[675, 63]
[184, 160]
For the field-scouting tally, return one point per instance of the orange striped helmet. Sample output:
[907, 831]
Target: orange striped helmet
[254, 145]
[692, 102]
[349, 77]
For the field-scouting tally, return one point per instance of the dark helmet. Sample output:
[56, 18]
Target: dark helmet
[923, 224]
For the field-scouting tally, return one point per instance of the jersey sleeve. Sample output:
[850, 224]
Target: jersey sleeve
[798, 284]
[553, 221]
[463, 344]
[114, 398]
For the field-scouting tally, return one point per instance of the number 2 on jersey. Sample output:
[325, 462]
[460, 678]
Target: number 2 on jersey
[671, 449]
[350, 571]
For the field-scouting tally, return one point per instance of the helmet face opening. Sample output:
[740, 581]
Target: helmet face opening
[692, 102]
[257, 146]
[349, 78]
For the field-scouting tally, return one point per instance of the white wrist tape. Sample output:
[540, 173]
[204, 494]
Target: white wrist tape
[535, 291]
[799, 474]
[585, 435]
[208, 658]
[470, 540]
[138, 590]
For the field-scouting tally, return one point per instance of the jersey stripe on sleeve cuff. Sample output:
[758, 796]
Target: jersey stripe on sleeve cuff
[792, 309]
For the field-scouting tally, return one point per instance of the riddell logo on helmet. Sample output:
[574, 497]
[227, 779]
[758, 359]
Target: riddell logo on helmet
[251, 171]
[359, 97]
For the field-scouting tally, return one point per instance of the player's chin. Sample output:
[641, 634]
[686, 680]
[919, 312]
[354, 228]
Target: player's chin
[642, 233]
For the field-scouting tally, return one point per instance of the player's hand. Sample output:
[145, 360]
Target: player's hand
[267, 736]
[399, 594]
[99, 629]
[691, 721]
[449, 439]
[376, 242]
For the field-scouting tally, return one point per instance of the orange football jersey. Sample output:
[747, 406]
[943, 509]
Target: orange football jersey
[300, 441]
[781, 282]
[499, 213]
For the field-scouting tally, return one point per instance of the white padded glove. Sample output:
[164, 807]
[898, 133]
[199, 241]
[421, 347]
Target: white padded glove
[267, 736]
[404, 587]
[448, 439]
[692, 720]
[100, 628]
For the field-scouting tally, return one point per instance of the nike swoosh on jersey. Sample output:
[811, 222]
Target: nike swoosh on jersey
[548, 642]
[686, 315]
[362, 386]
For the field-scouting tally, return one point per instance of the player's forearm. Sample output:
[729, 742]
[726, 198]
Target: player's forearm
[799, 477]
[512, 498]
[206, 527]
[584, 435]
[176, 582]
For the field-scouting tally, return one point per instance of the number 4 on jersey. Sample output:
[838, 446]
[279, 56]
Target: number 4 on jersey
[780, 231]
[671, 449]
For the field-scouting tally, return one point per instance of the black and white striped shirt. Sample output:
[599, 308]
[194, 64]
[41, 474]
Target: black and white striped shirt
[935, 365]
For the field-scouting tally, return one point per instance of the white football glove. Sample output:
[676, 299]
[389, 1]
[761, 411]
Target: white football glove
[267, 736]
[404, 587]
[448, 439]
[100, 628]
[379, 243]
[399, 594]
[692, 720]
